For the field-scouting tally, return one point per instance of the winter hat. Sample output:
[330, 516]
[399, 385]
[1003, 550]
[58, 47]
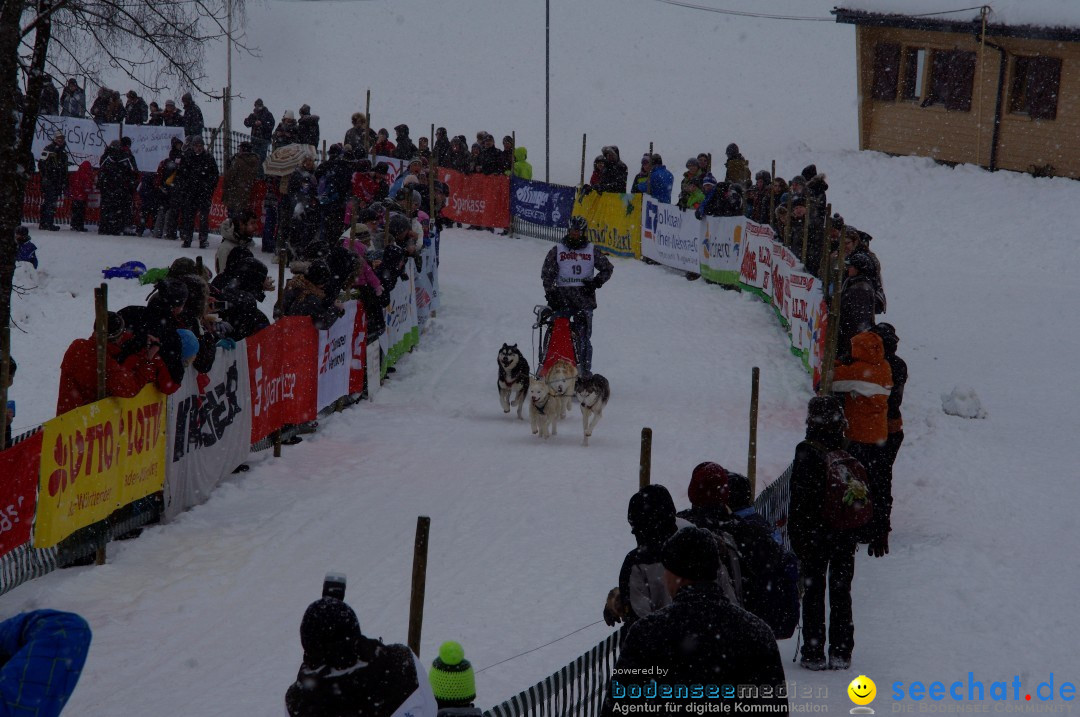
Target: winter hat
[189, 345]
[170, 103]
[864, 237]
[809, 172]
[451, 676]
[115, 326]
[172, 292]
[709, 485]
[764, 176]
[318, 273]
[691, 554]
[732, 150]
[798, 180]
[22, 232]
[335, 150]
[708, 180]
[862, 262]
[288, 115]
[132, 94]
[825, 412]
[305, 110]
[739, 492]
[399, 225]
[258, 103]
[692, 162]
[657, 160]
[330, 634]
[197, 141]
[651, 513]
[402, 129]
[887, 332]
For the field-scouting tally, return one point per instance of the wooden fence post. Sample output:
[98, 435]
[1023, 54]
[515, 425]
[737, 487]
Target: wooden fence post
[833, 333]
[101, 337]
[645, 462]
[367, 113]
[582, 160]
[772, 196]
[751, 459]
[419, 583]
[510, 184]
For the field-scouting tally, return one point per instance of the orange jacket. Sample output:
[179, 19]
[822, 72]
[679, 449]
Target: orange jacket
[867, 382]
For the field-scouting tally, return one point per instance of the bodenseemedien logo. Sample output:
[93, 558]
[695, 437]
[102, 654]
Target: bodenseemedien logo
[862, 692]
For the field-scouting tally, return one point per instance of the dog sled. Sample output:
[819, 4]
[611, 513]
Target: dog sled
[557, 341]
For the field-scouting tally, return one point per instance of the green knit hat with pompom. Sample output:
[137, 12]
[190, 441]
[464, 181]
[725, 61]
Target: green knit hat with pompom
[452, 678]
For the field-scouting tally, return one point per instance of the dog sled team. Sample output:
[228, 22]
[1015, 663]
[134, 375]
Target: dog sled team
[573, 271]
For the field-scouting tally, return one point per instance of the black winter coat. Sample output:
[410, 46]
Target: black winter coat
[442, 152]
[193, 120]
[196, 177]
[404, 149]
[702, 639]
[574, 298]
[806, 521]
[307, 130]
[896, 396]
[50, 100]
[856, 311]
[382, 679]
[240, 286]
[136, 112]
[53, 166]
[613, 177]
[261, 122]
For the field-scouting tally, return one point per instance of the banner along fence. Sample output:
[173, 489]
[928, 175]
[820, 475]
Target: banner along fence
[102, 470]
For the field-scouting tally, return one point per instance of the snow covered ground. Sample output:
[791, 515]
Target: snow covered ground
[201, 617]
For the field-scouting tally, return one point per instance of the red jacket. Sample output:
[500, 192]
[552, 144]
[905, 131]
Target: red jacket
[78, 375]
[867, 381]
[364, 188]
[384, 148]
[81, 183]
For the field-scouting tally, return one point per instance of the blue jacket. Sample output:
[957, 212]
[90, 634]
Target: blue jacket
[661, 182]
[42, 653]
[26, 251]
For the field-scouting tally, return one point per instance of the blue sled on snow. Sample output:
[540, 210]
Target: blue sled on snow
[127, 270]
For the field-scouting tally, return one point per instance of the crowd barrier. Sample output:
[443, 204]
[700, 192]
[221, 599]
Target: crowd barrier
[575, 690]
[101, 470]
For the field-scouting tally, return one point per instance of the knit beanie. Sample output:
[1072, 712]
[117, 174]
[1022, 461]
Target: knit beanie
[708, 485]
[452, 680]
[692, 555]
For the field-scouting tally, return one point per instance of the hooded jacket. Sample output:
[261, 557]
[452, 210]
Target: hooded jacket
[651, 515]
[867, 382]
[522, 168]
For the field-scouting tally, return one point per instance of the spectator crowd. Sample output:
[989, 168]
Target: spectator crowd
[706, 592]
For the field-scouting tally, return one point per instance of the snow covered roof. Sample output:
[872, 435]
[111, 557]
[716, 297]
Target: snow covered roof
[1044, 19]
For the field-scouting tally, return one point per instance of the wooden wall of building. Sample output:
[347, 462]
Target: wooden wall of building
[906, 128]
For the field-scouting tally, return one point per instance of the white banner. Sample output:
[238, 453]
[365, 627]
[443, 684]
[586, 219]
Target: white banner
[209, 430]
[335, 357]
[426, 286]
[87, 140]
[402, 330]
[755, 270]
[671, 236]
[721, 244]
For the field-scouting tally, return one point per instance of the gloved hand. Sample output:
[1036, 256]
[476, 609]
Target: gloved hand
[585, 190]
[551, 297]
[879, 547]
[590, 283]
[227, 344]
[613, 608]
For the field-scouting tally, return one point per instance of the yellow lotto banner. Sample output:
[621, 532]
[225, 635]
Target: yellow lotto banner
[614, 221]
[96, 459]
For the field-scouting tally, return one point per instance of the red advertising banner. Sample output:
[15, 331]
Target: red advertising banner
[480, 199]
[358, 365]
[18, 492]
[283, 371]
[219, 212]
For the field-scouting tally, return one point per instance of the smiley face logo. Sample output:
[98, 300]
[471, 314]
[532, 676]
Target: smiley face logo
[862, 690]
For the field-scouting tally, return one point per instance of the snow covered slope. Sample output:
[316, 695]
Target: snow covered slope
[201, 617]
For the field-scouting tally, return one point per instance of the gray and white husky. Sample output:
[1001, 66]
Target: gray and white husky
[592, 394]
[513, 378]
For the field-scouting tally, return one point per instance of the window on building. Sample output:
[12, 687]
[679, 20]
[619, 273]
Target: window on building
[914, 69]
[886, 71]
[952, 76]
[1035, 83]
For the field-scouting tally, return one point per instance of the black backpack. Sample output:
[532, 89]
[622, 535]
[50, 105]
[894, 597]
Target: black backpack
[770, 575]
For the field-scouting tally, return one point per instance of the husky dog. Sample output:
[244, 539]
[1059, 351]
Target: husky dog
[593, 393]
[513, 378]
[560, 378]
[542, 408]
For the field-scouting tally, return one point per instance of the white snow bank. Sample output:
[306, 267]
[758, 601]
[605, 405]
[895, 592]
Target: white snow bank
[963, 402]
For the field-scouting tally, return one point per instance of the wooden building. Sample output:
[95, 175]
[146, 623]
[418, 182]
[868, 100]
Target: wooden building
[969, 90]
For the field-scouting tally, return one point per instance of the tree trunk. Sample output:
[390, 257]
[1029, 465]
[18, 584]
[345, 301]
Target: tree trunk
[16, 158]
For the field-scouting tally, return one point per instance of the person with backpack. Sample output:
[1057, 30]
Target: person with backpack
[866, 383]
[822, 527]
[767, 573]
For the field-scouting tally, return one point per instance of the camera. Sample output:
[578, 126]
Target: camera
[334, 586]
